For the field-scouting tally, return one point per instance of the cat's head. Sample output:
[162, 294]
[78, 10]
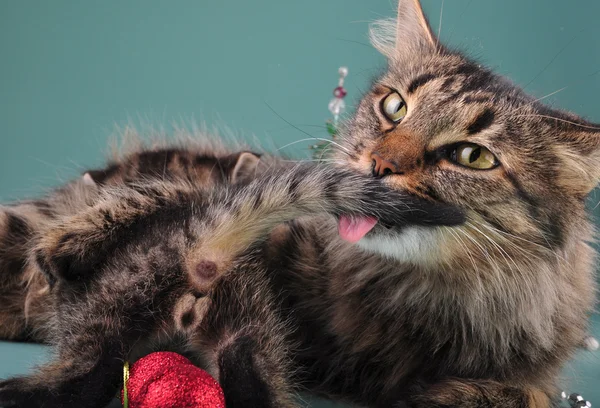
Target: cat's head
[443, 127]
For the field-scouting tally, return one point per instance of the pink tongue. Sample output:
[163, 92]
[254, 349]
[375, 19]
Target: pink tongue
[352, 229]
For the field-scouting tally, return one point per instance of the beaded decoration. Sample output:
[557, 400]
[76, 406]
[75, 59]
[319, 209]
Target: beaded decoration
[336, 106]
[576, 400]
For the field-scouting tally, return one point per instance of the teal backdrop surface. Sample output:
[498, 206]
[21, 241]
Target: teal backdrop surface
[72, 72]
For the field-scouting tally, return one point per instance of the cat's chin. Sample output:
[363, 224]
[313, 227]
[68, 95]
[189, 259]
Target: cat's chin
[415, 245]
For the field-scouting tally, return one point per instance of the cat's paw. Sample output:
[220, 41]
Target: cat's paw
[189, 312]
[10, 394]
[57, 258]
[34, 392]
[16, 393]
[71, 249]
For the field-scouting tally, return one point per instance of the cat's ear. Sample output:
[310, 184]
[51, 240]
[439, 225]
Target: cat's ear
[409, 33]
[245, 167]
[95, 178]
[88, 180]
[579, 153]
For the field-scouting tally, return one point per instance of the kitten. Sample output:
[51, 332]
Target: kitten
[482, 314]
[126, 266]
[24, 299]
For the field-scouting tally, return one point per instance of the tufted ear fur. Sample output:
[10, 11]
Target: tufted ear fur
[409, 33]
[579, 166]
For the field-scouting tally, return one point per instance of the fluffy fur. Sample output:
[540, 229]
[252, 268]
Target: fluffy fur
[200, 159]
[477, 314]
[124, 269]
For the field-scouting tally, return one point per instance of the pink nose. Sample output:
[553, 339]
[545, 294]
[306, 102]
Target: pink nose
[383, 167]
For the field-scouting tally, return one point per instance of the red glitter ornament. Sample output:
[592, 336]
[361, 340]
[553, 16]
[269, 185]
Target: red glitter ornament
[165, 380]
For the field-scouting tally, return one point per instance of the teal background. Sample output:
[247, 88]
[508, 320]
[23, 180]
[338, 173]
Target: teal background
[72, 72]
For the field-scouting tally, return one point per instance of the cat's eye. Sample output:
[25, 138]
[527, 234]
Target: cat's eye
[473, 156]
[394, 107]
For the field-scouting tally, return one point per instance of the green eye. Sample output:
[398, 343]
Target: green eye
[473, 156]
[394, 107]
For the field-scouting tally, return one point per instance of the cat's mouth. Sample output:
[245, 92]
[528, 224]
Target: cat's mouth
[353, 229]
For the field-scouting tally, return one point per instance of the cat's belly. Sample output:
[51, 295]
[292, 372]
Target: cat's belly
[358, 339]
[367, 366]
[343, 349]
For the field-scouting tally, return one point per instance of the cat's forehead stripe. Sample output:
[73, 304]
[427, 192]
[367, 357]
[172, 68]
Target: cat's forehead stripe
[483, 121]
[420, 81]
[467, 69]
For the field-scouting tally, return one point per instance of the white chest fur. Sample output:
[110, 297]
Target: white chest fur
[416, 245]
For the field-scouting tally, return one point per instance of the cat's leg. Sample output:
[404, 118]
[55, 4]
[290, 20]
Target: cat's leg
[22, 290]
[93, 338]
[251, 376]
[15, 232]
[97, 329]
[464, 393]
[246, 344]
[85, 375]
[250, 368]
[74, 246]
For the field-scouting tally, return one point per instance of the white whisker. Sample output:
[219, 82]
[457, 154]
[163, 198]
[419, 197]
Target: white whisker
[440, 25]
[516, 246]
[561, 120]
[462, 244]
[484, 252]
[503, 253]
[342, 148]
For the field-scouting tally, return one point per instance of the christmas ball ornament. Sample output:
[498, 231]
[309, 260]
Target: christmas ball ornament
[165, 379]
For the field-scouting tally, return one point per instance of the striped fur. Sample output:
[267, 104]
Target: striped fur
[226, 220]
[124, 269]
[24, 310]
[483, 313]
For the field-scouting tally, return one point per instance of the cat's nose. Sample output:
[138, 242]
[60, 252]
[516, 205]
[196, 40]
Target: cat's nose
[382, 167]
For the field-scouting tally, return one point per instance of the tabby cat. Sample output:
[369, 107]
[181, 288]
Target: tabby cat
[24, 301]
[477, 314]
[140, 262]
